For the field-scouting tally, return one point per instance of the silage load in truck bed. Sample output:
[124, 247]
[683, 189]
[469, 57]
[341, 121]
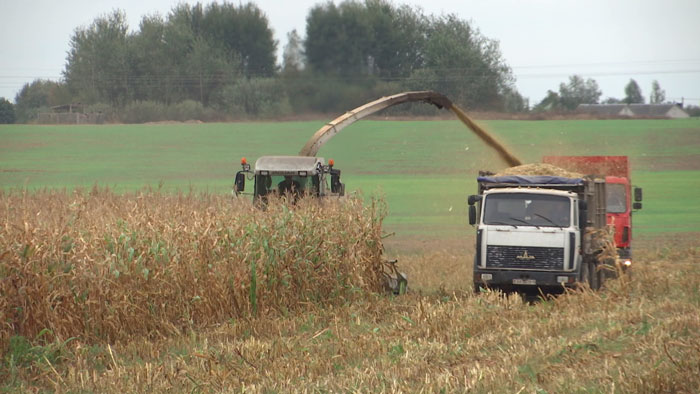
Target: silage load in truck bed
[539, 169]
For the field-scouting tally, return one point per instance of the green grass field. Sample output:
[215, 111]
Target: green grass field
[424, 169]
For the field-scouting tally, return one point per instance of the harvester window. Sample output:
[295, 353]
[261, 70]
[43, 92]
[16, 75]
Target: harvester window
[262, 185]
[289, 185]
[292, 184]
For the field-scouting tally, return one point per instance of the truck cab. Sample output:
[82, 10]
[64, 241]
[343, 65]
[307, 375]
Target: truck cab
[293, 176]
[532, 231]
[620, 208]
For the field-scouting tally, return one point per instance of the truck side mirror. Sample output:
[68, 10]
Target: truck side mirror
[638, 194]
[239, 183]
[472, 215]
[471, 200]
[637, 205]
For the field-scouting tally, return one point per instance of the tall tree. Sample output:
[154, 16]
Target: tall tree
[182, 27]
[338, 38]
[397, 34]
[98, 64]
[191, 54]
[578, 91]
[244, 31]
[293, 54]
[152, 68]
[514, 101]
[550, 102]
[658, 95]
[465, 65]
[633, 94]
[375, 39]
[208, 69]
[7, 111]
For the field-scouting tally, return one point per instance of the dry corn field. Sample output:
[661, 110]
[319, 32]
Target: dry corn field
[152, 292]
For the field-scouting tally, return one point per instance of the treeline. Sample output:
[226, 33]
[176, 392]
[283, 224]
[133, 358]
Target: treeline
[579, 91]
[218, 62]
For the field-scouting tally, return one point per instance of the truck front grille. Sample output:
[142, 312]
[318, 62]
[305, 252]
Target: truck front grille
[524, 257]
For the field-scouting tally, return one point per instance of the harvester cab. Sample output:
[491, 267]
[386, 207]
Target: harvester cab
[289, 175]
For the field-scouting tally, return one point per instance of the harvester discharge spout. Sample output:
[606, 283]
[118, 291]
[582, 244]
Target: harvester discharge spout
[332, 128]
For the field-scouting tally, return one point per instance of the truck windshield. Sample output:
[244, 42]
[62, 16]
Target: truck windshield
[616, 197]
[523, 209]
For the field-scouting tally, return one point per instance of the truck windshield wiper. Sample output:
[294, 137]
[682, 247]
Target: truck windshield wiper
[523, 221]
[507, 224]
[549, 220]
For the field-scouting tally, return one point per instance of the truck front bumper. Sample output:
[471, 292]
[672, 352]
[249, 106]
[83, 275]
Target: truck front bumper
[524, 281]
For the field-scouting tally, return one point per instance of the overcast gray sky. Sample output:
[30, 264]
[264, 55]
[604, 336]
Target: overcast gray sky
[544, 41]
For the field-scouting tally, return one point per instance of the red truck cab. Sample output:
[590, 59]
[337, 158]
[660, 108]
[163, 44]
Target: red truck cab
[619, 197]
[618, 201]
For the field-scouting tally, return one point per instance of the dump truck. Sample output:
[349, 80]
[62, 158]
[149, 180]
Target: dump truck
[619, 206]
[538, 233]
[289, 175]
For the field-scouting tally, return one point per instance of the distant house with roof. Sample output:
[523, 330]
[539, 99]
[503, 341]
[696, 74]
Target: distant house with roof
[73, 113]
[671, 111]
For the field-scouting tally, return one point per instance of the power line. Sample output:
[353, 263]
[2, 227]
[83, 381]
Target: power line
[625, 63]
[448, 74]
[610, 74]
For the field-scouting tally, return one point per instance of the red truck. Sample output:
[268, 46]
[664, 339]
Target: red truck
[619, 204]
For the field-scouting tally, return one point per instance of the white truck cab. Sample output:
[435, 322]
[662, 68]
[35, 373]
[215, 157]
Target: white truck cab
[534, 232]
[528, 229]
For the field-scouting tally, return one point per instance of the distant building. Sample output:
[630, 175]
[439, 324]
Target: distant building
[671, 111]
[69, 114]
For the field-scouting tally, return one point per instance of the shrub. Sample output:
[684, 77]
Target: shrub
[186, 110]
[109, 113]
[143, 111]
[263, 97]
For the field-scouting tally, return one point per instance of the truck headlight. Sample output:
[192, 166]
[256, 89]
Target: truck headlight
[486, 277]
